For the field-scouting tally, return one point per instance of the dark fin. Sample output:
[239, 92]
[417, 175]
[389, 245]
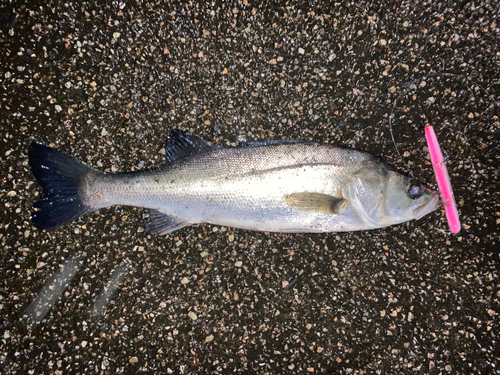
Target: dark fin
[271, 142]
[59, 175]
[315, 202]
[159, 223]
[180, 144]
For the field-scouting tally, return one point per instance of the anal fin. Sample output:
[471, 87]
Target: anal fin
[315, 202]
[160, 224]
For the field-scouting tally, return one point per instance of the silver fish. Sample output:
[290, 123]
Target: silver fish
[274, 186]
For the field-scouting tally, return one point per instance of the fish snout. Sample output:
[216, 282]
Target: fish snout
[428, 205]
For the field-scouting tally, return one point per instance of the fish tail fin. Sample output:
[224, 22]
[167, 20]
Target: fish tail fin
[60, 177]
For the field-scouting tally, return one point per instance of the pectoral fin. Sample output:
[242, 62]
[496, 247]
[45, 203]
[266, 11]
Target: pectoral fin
[159, 223]
[316, 202]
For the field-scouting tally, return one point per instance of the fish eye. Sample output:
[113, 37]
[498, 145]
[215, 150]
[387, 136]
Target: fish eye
[414, 189]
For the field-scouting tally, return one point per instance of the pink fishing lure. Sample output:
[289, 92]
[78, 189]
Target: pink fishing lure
[443, 180]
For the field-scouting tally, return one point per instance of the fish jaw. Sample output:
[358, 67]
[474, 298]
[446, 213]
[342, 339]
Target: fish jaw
[433, 204]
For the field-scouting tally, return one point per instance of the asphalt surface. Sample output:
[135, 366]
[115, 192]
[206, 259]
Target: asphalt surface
[107, 81]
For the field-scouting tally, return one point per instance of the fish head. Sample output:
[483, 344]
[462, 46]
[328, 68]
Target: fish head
[409, 199]
[386, 197]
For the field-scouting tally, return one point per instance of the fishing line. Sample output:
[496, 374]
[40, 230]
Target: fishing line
[464, 79]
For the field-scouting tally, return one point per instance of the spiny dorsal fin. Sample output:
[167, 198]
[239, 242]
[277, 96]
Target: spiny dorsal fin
[315, 202]
[180, 144]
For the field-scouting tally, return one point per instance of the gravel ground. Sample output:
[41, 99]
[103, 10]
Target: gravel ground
[106, 81]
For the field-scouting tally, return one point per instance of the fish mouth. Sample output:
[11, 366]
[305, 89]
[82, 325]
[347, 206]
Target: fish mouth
[427, 207]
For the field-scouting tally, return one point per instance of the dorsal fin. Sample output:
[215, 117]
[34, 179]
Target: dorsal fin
[180, 144]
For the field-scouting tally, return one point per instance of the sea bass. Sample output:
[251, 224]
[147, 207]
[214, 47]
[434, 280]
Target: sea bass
[274, 186]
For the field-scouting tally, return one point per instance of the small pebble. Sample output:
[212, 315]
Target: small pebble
[209, 338]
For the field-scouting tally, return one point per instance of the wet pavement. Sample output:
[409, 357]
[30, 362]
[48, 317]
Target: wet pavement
[107, 81]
